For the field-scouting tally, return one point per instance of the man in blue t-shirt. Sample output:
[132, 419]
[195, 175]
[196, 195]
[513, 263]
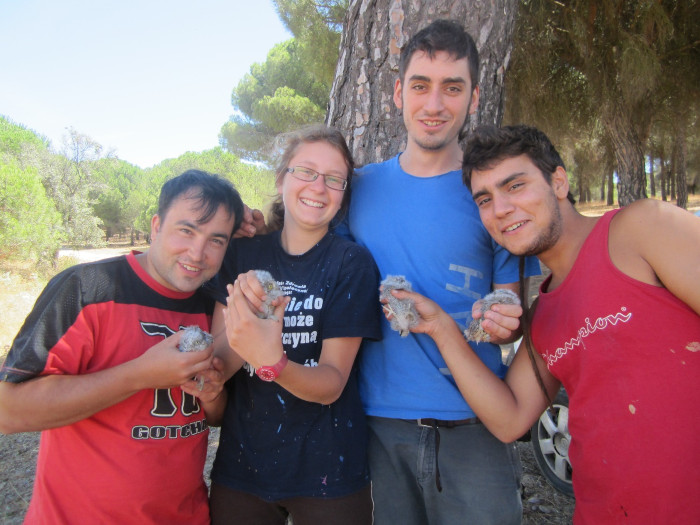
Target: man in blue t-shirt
[431, 460]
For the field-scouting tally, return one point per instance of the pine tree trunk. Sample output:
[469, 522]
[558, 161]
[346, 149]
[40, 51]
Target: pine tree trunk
[628, 153]
[652, 183]
[374, 32]
[679, 157]
[662, 179]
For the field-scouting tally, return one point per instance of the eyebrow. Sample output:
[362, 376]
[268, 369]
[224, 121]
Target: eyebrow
[449, 80]
[501, 184]
[194, 226]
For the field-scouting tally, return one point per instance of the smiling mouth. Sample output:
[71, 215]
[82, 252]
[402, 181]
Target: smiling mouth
[313, 204]
[190, 268]
[433, 123]
[513, 227]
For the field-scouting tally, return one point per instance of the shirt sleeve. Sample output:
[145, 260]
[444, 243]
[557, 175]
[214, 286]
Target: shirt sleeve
[354, 309]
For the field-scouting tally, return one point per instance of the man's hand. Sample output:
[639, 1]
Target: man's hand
[253, 224]
[432, 317]
[501, 321]
[213, 379]
[164, 366]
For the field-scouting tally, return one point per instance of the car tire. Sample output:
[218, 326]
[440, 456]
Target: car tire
[550, 440]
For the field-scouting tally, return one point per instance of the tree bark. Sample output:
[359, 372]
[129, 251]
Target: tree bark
[679, 157]
[374, 32]
[628, 154]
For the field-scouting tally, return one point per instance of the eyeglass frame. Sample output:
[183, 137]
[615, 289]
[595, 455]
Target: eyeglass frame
[315, 174]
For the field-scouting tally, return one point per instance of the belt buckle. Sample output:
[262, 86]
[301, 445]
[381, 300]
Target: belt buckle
[426, 425]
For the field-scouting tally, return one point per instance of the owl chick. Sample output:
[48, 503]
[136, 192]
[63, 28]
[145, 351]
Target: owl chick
[272, 290]
[501, 296]
[194, 339]
[403, 311]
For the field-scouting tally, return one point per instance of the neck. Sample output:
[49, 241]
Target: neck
[297, 241]
[561, 257]
[421, 162]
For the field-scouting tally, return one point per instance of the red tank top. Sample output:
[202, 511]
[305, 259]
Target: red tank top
[628, 354]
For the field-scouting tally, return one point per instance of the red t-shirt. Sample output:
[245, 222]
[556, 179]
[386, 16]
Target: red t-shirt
[140, 461]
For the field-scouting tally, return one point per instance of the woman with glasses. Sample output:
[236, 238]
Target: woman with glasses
[293, 437]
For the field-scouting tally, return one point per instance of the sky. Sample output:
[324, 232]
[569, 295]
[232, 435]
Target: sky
[147, 79]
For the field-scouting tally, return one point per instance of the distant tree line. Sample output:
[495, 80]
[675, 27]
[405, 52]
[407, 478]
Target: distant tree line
[80, 196]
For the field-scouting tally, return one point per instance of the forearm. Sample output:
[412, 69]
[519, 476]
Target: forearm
[318, 384]
[58, 400]
[214, 410]
[492, 399]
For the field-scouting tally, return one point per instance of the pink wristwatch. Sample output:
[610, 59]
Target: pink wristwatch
[270, 373]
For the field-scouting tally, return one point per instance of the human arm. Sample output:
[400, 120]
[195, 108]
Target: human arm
[501, 321]
[56, 400]
[507, 407]
[659, 244]
[259, 342]
[232, 362]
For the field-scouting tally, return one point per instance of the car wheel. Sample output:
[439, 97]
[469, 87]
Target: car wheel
[550, 440]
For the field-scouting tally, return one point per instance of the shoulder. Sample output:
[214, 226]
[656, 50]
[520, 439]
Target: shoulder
[90, 276]
[350, 249]
[368, 170]
[645, 218]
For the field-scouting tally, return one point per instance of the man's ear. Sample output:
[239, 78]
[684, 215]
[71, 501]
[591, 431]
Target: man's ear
[398, 100]
[155, 226]
[474, 102]
[560, 183]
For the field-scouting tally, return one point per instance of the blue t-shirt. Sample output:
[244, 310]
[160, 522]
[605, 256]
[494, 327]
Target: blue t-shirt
[427, 229]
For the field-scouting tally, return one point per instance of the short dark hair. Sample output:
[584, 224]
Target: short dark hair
[488, 145]
[211, 190]
[288, 144]
[442, 35]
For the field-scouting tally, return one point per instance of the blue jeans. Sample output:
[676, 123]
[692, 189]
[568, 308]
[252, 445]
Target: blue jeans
[480, 475]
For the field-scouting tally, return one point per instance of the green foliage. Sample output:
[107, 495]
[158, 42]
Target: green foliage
[291, 88]
[255, 184]
[317, 26]
[79, 197]
[29, 222]
[15, 137]
[274, 97]
[605, 70]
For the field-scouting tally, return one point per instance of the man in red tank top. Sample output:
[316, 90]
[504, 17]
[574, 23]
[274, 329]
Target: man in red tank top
[617, 323]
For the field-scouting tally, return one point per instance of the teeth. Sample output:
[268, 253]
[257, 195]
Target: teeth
[312, 203]
[432, 123]
[190, 268]
[513, 227]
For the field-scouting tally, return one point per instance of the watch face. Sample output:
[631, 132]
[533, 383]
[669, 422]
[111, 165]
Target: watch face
[266, 373]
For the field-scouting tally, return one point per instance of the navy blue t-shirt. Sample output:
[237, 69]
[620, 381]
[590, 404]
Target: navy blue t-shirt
[272, 443]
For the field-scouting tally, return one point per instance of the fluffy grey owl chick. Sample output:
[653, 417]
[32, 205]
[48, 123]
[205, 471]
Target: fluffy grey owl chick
[500, 296]
[404, 312]
[194, 339]
[272, 290]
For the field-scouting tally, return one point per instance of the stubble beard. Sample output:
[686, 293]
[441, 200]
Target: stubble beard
[548, 238]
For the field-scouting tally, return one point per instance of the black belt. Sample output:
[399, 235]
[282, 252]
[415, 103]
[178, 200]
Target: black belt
[439, 423]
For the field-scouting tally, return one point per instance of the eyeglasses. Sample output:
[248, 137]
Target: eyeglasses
[309, 175]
